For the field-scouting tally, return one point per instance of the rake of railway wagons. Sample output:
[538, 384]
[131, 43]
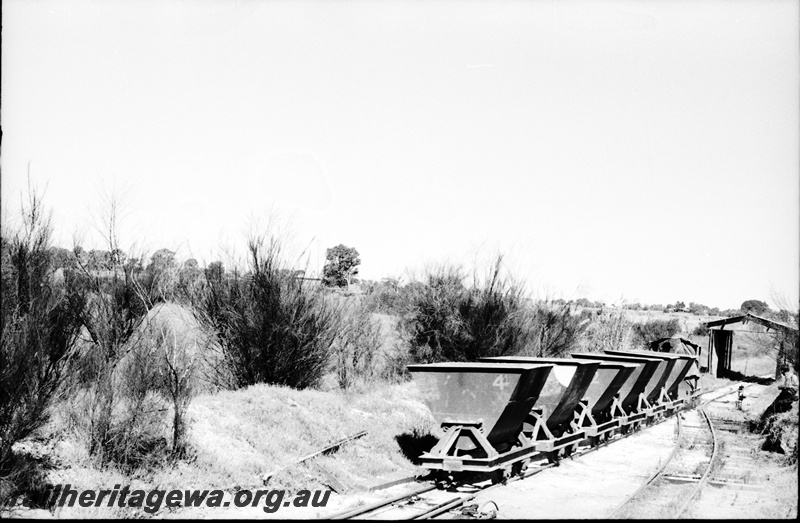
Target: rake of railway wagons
[499, 413]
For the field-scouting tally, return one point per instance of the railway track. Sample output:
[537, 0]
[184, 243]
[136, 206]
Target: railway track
[684, 474]
[673, 489]
[430, 500]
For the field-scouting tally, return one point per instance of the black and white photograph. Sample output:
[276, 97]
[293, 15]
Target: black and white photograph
[399, 259]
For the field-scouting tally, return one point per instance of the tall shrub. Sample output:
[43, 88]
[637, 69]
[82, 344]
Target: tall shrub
[117, 307]
[449, 321]
[115, 389]
[610, 330]
[38, 328]
[653, 330]
[387, 297]
[356, 345]
[555, 329]
[272, 327]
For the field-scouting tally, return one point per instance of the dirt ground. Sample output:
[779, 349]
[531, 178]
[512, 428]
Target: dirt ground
[589, 486]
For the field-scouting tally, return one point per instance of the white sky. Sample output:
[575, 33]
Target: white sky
[645, 150]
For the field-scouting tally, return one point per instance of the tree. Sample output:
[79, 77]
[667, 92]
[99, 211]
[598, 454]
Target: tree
[755, 306]
[341, 266]
[99, 260]
[583, 302]
[118, 257]
[697, 308]
[135, 264]
[62, 258]
[189, 279]
[162, 259]
[162, 275]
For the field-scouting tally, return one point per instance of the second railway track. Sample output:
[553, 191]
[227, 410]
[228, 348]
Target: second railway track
[695, 462]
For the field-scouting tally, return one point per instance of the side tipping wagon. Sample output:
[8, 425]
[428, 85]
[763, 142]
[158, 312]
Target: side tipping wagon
[481, 407]
[654, 387]
[630, 406]
[602, 396]
[674, 391]
[557, 419]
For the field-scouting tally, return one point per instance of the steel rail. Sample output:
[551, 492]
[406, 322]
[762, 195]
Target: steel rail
[531, 472]
[657, 473]
[524, 475]
[704, 479]
[382, 503]
[675, 448]
[444, 507]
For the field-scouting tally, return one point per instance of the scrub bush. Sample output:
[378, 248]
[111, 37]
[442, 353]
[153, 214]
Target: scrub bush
[39, 327]
[448, 321]
[652, 330]
[271, 326]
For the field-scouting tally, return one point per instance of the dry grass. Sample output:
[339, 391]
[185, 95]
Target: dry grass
[780, 500]
[239, 436]
[235, 437]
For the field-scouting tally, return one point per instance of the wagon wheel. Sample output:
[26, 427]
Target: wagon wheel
[552, 456]
[516, 468]
[594, 441]
[498, 476]
[568, 450]
[443, 479]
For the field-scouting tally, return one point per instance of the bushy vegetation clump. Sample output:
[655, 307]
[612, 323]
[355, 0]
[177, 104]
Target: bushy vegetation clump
[555, 329]
[609, 331]
[272, 328]
[449, 321]
[80, 339]
[114, 402]
[130, 371]
[652, 330]
[75, 343]
[387, 296]
[39, 327]
[356, 346]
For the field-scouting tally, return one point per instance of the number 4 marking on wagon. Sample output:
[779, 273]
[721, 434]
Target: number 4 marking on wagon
[501, 382]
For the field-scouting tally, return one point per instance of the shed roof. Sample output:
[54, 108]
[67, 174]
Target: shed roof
[748, 316]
